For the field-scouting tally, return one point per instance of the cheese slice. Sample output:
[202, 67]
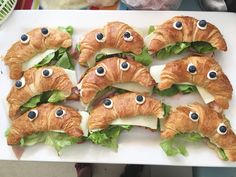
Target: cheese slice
[133, 87]
[156, 70]
[144, 121]
[148, 38]
[84, 122]
[36, 59]
[72, 75]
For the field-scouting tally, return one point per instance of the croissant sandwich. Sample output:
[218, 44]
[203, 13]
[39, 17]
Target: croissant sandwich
[39, 85]
[182, 32]
[200, 119]
[39, 47]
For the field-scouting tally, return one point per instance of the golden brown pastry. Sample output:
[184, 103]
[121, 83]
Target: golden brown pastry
[34, 82]
[115, 35]
[46, 117]
[205, 121]
[110, 71]
[123, 106]
[186, 29]
[34, 42]
[201, 71]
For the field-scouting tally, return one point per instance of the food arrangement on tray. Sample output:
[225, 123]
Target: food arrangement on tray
[121, 87]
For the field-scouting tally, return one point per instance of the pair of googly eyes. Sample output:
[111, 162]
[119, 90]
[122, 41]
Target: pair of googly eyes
[25, 38]
[201, 24]
[212, 74]
[108, 103]
[33, 114]
[101, 71]
[100, 37]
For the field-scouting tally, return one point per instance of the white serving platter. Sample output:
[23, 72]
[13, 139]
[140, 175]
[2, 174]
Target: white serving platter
[139, 146]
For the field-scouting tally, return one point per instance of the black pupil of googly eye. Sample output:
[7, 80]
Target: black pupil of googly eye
[32, 114]
[212, 74]
[100, 70]
[194, 116]
[59, 112]
[127, 34]
[24, 37]
[124, 65]
[223, 129]
[44, 31]
[202, 23]
[46, 72]
[99, 36]
[18, 84]
[192, 69]
[178, 24]
[107, 102]
[139, 98]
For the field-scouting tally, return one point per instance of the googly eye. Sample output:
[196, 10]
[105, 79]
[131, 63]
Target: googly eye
[47, 72]
[107, 103]
[212, 75]
[194, 116]
[60, 113]
[140, 99]
[128, 36]
[222, 129]
[20, 83]
[178, 25]
[124, 66]
[100, 37]
[44, 32]
[100, 71]
[202, 24]
[24, 39]
[33, 114]
[192, 68]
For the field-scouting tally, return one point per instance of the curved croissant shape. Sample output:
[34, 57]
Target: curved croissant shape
[201, 71]
[110, 71]
[46, 117]
[34, 82]
[123, 106]
[34, 42]
[115, 35]
[205, 121]
[186, 29]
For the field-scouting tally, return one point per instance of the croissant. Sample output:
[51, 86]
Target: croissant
[46, 117]
[34, 42]
[110, 71]
[205, 121]
[123, 106]
[201, 71]
[186, 29]
[115, 35]
[34, 82]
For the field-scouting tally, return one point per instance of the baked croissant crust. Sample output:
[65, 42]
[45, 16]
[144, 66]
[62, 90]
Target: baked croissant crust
[38, 42]
[190, 31]
[93, 82]
[46, 119]
[111, 36]
[34, 83]
[123, 106]
[208, 74]
[208, 124]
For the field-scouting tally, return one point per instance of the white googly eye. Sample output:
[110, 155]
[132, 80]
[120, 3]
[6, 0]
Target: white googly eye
[222, 129]
[107, 103]
[45, 32]
[124, 66]
[202, 24]
[212, 75]
[140, 99]
[33, 114]
[178, 25]
[20, 83]
[100, 71]
[191, 68]
[47, 72]
[60, 113]
[194, 116]
[24, 39]
[100, 37]
[128, 36]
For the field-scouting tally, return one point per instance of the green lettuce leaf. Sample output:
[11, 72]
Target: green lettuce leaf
[65, 61]
[77, 47]
[151, 29]
[202, 47]
[186, 89]
[222, 154]
[46, 60]
[108, 137]
[68, 29]
[166, 109]
[145, 58]
[56, 96]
